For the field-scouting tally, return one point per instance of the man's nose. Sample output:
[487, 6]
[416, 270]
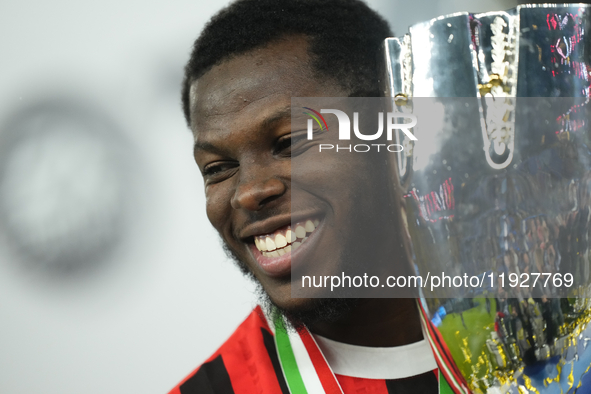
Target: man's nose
[256, 191]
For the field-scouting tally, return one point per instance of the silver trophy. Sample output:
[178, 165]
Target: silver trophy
[500, 190]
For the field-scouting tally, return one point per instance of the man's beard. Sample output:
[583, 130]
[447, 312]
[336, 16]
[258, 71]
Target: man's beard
[316, 311]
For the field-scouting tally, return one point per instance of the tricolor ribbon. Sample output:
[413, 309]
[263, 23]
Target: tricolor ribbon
[306, 371]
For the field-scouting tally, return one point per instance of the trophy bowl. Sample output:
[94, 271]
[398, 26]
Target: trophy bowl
[497, 190]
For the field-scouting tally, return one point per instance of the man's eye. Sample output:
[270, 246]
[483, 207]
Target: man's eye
[290, 145]
[283, 145]
[216, 172]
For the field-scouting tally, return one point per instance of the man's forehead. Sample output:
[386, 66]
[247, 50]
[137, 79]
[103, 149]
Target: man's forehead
[235, 93]
[238, 111]
[278, 69]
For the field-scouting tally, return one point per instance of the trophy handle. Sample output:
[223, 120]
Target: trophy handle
[398, 85]
[495, 39]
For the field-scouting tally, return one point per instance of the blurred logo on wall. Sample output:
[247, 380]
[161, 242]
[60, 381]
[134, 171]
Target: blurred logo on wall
[65, 181]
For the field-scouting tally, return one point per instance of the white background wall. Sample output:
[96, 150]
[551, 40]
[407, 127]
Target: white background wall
[169, 297]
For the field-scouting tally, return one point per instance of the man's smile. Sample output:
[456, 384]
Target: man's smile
[273, 251]
[282, 240]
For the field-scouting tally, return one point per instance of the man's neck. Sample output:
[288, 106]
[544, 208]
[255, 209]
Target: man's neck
[380, 322]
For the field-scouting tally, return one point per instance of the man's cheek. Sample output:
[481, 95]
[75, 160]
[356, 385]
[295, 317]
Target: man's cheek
[217, 206]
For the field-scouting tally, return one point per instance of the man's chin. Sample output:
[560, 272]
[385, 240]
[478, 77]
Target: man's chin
[299, 312]
[306, 312]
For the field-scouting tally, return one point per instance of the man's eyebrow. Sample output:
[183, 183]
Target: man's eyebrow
[206, 146]
[277, 116]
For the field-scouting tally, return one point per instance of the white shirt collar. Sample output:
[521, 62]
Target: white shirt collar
[377, 362]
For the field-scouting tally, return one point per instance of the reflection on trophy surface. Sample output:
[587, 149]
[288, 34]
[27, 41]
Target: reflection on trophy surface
[499, 190]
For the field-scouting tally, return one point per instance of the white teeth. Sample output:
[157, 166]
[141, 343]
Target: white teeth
[300, 232]
[280, 241]
[270, 244]
[278, 245]
[290, 236]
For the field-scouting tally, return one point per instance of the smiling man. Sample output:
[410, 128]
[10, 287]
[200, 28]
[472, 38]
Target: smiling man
[248, 63]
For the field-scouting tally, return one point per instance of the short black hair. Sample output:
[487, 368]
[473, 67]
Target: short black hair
[345, 37]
